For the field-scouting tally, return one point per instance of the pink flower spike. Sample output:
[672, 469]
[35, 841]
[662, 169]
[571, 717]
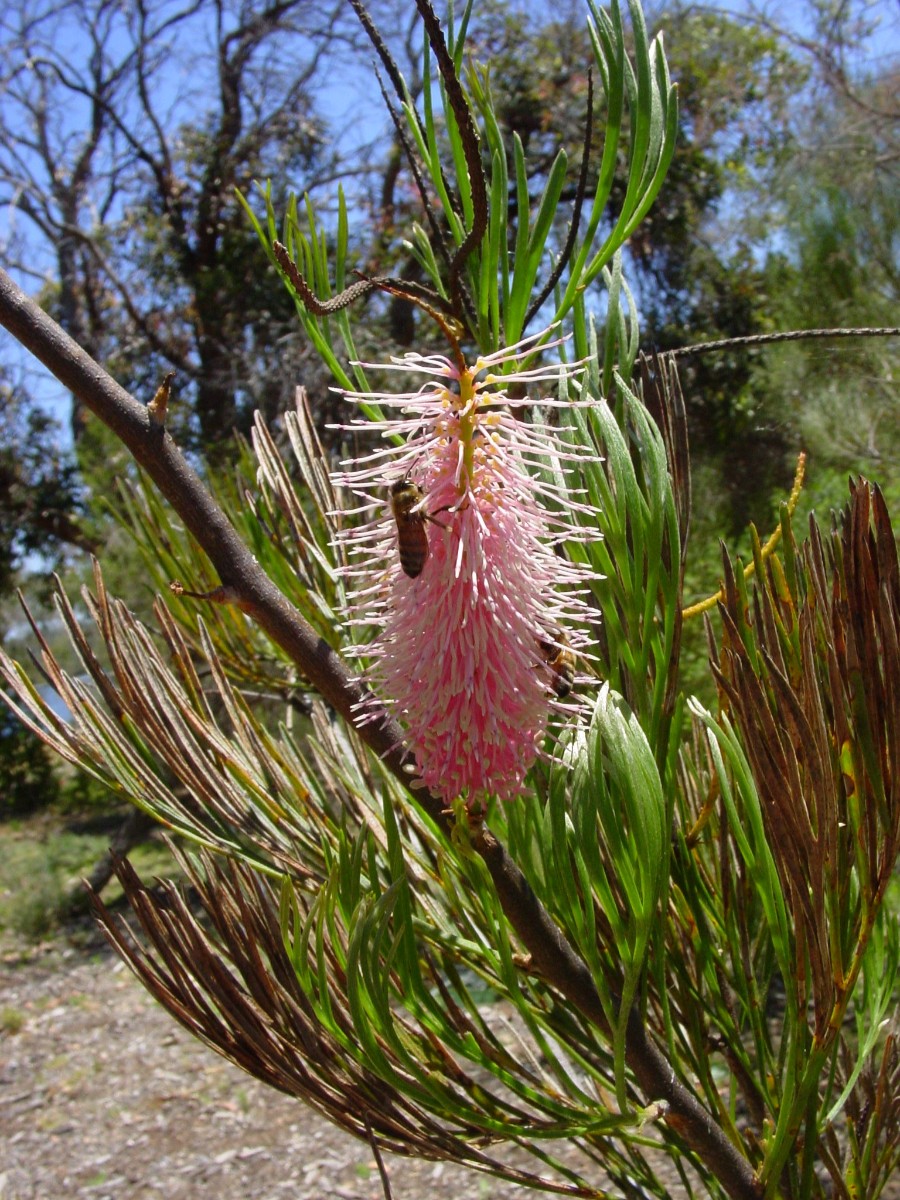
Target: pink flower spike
[477, 619]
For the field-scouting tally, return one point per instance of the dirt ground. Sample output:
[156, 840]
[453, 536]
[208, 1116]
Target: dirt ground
[103, 1095]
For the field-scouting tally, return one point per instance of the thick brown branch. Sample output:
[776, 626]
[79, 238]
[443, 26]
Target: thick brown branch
[155, 451]
[552, 955]
[553, 959]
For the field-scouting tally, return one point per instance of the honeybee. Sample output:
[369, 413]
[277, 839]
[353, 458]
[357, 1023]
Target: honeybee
[559, 658]
[412, 538]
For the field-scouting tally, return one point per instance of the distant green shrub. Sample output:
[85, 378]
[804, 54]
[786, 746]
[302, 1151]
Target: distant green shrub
[28, 779]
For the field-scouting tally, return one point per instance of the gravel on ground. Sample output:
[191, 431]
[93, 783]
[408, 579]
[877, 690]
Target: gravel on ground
[103, 1095]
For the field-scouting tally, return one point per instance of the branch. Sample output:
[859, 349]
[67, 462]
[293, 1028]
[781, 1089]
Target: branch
[404, 95]
[141, 321]
[404, 143]
[553, 957]
[156, 452]
[468, 134]
[793, 335]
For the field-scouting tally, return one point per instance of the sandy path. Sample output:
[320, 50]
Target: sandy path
[102, 1095]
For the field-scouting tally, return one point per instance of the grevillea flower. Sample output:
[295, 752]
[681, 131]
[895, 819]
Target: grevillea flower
[463, 656]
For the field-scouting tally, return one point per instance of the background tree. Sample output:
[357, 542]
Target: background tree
[779, 213]
[839, 196]
[128, 132]
[39, 489]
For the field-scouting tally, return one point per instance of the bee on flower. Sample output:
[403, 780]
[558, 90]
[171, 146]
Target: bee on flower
[479, 616]
[407, 501]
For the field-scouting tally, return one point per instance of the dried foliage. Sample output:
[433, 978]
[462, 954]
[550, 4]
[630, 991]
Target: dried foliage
[813, 692]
